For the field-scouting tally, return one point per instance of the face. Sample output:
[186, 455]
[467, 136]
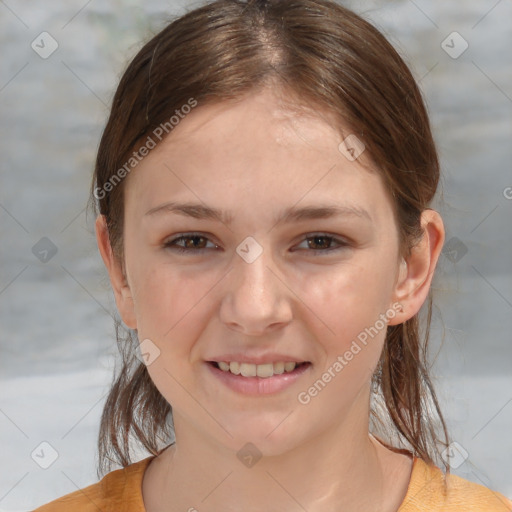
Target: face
[251, 241]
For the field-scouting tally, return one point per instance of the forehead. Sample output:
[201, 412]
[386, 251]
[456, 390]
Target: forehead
[250, 153]
[261, 117]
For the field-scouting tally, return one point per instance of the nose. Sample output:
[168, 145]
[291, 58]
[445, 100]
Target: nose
[256, 300]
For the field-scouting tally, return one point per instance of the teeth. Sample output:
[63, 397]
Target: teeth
[248, 370]
[278, 368]
[234, 368]
[288, 367]
[265, 370]
[261, 370]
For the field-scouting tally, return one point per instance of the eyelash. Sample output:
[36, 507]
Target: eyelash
[342, 244]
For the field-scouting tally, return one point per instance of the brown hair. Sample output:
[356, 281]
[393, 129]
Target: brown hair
[328, 57]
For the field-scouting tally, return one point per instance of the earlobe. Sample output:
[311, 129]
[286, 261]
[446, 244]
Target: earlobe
[417, 270]
[120, 287]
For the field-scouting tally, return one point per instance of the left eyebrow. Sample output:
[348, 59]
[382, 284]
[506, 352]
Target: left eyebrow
[321, 212]
[292, 214]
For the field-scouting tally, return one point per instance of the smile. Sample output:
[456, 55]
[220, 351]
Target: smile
[257, 370]
[258, 379]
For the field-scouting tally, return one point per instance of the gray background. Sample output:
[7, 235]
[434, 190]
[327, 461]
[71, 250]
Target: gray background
[57, 344]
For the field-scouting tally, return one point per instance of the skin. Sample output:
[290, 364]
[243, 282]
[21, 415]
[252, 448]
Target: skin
[255, 158]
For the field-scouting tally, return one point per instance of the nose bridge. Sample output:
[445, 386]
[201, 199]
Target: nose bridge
[252, 274]
[255, 298]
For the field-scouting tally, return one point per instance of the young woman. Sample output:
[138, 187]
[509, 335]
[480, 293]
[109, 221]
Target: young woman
[263, 183]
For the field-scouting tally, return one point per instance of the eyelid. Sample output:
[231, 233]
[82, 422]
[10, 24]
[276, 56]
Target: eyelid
[342, 242]
[168, 244]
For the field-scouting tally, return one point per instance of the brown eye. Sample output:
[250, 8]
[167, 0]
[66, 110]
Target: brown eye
[189, 243]
[319, 244]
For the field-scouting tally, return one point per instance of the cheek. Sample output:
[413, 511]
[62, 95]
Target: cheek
[169, 304]
[351, 304]
[349, 300]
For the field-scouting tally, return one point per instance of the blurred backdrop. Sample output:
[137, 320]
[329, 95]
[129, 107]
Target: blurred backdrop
[60, 64]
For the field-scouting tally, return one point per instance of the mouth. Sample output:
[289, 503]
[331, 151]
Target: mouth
[263, 371]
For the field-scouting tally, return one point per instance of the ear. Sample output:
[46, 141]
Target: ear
[122, 293]
[417, 270]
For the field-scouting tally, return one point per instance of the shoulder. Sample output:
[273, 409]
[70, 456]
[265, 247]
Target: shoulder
[118, 488]
[430, 489]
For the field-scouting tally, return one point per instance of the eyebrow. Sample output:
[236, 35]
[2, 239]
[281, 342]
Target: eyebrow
[292, 214]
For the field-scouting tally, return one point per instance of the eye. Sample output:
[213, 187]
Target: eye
[191, 242]
[316, 243]
[321, 243]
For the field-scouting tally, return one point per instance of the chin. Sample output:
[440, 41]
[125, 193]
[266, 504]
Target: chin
[270, 437]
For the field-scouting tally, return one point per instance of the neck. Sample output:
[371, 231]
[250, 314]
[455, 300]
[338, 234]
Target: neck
[337, 470]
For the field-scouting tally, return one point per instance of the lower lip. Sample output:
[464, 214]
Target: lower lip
[258, 385]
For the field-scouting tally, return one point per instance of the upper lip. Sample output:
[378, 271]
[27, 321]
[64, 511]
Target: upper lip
[261, 359]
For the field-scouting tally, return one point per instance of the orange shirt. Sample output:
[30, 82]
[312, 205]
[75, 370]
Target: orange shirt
[121, 490]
